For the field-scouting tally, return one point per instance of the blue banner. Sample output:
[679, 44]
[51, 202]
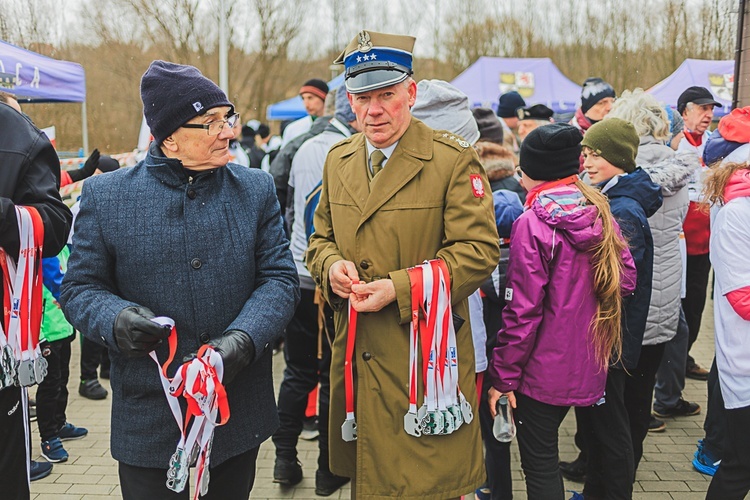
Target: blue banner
[37, 78]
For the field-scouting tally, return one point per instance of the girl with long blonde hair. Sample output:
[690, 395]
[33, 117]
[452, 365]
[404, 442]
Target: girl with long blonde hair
[568, 270]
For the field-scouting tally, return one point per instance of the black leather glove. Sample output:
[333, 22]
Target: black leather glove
[236, 349]
[92, 163]
[135, 334]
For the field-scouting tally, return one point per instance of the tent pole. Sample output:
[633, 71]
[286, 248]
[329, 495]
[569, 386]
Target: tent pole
[84, 129]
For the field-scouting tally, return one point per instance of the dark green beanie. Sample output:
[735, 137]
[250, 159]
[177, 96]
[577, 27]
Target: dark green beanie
[615, 140]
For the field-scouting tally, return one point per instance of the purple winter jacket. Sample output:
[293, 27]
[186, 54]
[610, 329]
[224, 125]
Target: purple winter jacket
[545, 349]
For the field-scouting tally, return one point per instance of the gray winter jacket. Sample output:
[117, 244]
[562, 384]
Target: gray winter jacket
[671, 171]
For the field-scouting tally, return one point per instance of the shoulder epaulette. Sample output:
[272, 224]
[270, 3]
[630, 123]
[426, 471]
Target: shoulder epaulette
[451, 139]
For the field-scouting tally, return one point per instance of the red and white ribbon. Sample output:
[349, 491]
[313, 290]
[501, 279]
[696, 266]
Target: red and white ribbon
[199, 382]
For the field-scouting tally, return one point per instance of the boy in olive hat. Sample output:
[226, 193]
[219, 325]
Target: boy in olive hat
[609, 151]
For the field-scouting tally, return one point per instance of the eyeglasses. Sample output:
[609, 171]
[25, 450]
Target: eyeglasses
[215, 127]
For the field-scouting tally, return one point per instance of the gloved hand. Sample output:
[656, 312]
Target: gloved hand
[92, 163]
[236, 349]
[135, 334]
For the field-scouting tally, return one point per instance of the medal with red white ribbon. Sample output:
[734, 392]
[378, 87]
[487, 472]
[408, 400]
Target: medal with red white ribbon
[349, 427]
[444, 408]
[21, 361]
[199, 382]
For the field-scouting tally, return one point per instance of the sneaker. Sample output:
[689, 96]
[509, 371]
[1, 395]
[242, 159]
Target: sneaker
[704, 462]
[40, 470]
[310, 430]
[287, 472]
[575, 470]
[656, 425]
[92, 389]
[681, 409]
[328, 483]
[53, 451]
[483, 493]
[696, 372]
[70, 431]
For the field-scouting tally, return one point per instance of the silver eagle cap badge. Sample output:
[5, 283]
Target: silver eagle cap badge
[365, 45]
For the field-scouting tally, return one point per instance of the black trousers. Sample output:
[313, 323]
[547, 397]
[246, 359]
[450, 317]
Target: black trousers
[13, 459]
[92, 355]
[52, 394]
[696, 281]
[715, 424]
[537, 432]
[639, 393]
[732, 480]
[606, 431]
[497, 454]
[302, 374]
[231, 480]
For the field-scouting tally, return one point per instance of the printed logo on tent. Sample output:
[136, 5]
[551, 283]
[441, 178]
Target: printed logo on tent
[520, 81]
[721, 85]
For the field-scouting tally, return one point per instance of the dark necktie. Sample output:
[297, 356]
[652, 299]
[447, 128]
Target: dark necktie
[377, 158]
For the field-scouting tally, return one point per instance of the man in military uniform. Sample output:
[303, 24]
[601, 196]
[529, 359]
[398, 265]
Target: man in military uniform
[395, 196]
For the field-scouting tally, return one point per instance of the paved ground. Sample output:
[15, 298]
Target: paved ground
[665, 472]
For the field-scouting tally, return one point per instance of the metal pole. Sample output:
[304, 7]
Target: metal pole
[84, 129]
[223, 69]
[739, 49]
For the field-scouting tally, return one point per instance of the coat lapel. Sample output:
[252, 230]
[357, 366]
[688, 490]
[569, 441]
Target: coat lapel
[405, 163]
[352, 171]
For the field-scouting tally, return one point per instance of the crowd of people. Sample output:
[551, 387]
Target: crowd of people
[420, 260]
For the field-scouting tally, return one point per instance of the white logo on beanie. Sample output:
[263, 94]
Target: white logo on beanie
[198, 106]
[594, 89]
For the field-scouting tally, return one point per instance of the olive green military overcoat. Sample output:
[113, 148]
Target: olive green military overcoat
[432, 200]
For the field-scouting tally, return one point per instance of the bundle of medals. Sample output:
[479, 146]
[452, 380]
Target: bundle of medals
[199, 382]
[444, 407]
[21, 361]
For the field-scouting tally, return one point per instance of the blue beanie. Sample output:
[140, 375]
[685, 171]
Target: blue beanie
[593, 91]
[509, 103]
[173, 94]
[344, 112]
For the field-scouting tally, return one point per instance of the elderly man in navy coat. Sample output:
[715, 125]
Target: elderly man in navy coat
[187, 235]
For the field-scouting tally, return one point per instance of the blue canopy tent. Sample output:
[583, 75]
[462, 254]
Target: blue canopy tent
[292, 108]
[37, 78]
[538, 80]
[716, 76]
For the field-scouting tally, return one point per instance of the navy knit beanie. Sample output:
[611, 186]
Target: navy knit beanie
[551, 152]
[173, 94]
[593, 91]
[508, 103]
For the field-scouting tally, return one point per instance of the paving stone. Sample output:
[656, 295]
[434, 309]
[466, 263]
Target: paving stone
[665, 472]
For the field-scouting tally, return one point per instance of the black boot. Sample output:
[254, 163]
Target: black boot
[327, 483]
[575, 470]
